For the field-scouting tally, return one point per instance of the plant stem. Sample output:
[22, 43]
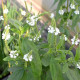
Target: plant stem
[7, 46]
[67, 4]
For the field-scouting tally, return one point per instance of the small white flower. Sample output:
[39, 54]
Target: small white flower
[65, 37]
[78, 65]
[76, 12]
[6, 36]
[52, 15]
[75, 40]
[13, 54]
[32, 23]
[36, 38]
[57, 31]
[7, 27]
[51, 29]
[27, 57]
[30, 58]
[61, 12]
[72, 6]
[23, 13]
[32, 20]
[5, 11]
[1, 18]
[30, 39]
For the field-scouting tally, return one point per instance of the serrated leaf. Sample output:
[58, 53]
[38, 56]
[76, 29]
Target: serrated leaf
[46, 60]
[73, 74]
[7, 58]
[77, 56]
[65, 67]
[36, 62]
[60, 44]
[17, 75]
[55, 70]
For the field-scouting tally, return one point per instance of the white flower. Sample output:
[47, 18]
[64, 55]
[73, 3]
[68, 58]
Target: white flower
[76, 12]
[36, 38]
[13, 54]
[51, 29]
[6, 36]
[1, 18]
[78, 65]
[30, 39]
[75, 40]
[27, 57]
[7, 27]
[23, 13]
[61, 12]
[65, 37]
[57, 31]
[30, 58]
[52, 15]
[32, 20]
[32, 23]
[72, 6]
[5, 11]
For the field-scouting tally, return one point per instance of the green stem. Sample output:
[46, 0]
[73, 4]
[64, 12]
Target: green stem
[20, 44]
[7, 46]
[71, 48]
[67, 4]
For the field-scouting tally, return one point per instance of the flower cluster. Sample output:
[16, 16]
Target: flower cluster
[78, 65]
[61, 12]
[72, 6]
[75, 40]
[27, 57]
[5, 11]
[52, 15]
[6, 34]
[32, 20]
[36, 38]
[23, 13]
[65, 38]
[76, 12]
[13, 54]
[1, 18]
[53, 30]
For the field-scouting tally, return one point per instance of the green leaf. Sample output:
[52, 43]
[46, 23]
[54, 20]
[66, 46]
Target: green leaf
[77, 56]
[36, 62]
[55, 70]
[7, 58]
[48, 75]
[73, 74]
[16, 23]
[75, 20]
[65, 67]
[46, 60]
[17, 75]
[60, 44]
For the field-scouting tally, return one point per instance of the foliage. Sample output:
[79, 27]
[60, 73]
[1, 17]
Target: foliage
[29, 57]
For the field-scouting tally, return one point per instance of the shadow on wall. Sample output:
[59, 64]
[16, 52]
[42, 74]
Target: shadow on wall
[46, 4]
[49, 5]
